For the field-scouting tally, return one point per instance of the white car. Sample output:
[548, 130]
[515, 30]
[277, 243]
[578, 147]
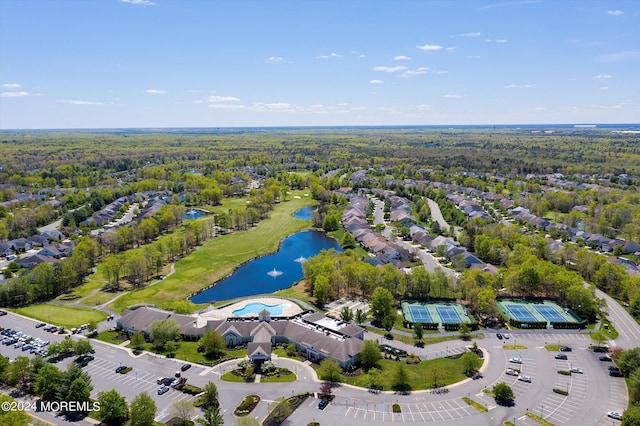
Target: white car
[506, 336]
[515, 360]
[511, 372]
[614, 415]
[576, 370]
[524, 379]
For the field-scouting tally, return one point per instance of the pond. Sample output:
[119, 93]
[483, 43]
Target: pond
[193, 214]
[304, 213]
[270, 273]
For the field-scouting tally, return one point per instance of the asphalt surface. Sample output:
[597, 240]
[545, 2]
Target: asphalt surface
[359, 407]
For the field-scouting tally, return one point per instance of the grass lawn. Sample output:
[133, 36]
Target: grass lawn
[283, 378]
[99, 298]
[420, 376]
[84, 289]
[219, 256]
[513, 347]
[62, 315]
[298, 291]
[410, 340]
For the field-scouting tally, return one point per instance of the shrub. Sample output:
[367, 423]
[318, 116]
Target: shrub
[396, 408]
[561, 391]
[247, 405]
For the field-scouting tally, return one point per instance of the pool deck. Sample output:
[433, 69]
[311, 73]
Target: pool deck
[226, 311]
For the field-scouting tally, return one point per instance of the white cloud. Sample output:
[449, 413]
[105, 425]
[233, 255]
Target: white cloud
[13, 94]
[156, 92]
[401, 58]
[501, 40]
[139, 2]
[11, 85]
[602, 76]
[615, 12]
[390, 69]
[417, 71]
[376, 81]
[274, 59]
[79, 102]
[603, 88]
[470, 35]
[518, 86]
[223, 99]
[453, 96]
[428, 47]
[330, 55]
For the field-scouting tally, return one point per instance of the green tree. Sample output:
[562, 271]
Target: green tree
[12, 417]
[374, 379]
[209, 397]
[113, 408]
[503, 393]
[20, 374]
[389, 321]
[381, 303]
[183, 410]
[418, 333]
[361, 316]
[346, 314]
[82, 346]
[79, 390]
[211, 417]
[68, 377]
[212, 344]
[138, 340]
[631, 417]
[330, 370]
[348, 241]
[47, 382]
[464, 330]
[162, 331]
[247, 421]
[401, 379]
[183, 307]
[470, 362]
[370, 354]
[143, 410]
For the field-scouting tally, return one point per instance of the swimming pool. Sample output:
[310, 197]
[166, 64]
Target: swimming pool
[256, 307]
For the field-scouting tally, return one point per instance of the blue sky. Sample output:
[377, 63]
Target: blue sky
[223, 63]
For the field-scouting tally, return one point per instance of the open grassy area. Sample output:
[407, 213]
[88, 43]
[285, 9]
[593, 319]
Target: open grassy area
[219, 256]
[62, 315]
[513, 347]
[85, 289]
[410, 340]
[298, 291]
[539, 419]
[420, 376]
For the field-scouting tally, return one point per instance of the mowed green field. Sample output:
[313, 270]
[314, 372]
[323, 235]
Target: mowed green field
[219, 256]
[62, 315]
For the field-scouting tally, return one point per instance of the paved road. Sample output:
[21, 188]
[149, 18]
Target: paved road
[627, 327]
[436, 215]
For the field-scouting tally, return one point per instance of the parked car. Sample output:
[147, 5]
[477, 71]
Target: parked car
[160, 380]
[604, 358]
[323, 403]
[2, 313]
[515, 360]
[615, 372]
[40, 324]
[506, 336]
[561, 356]
[121, 368]
[601, 349]
[163, 390]
[499, 336]
[576, 370]
[524, 379]
[565, 349]
[185, 367]
[614, 415]
[511, 372]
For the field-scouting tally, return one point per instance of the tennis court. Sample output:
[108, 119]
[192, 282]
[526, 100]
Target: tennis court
[521, 313]
[549, 313]
[438, 314]
[448, 314]
[419, 313]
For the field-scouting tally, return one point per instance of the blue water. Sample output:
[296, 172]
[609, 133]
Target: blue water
[304, 213]
[193, 214]
[255, 308]
[253, 277]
